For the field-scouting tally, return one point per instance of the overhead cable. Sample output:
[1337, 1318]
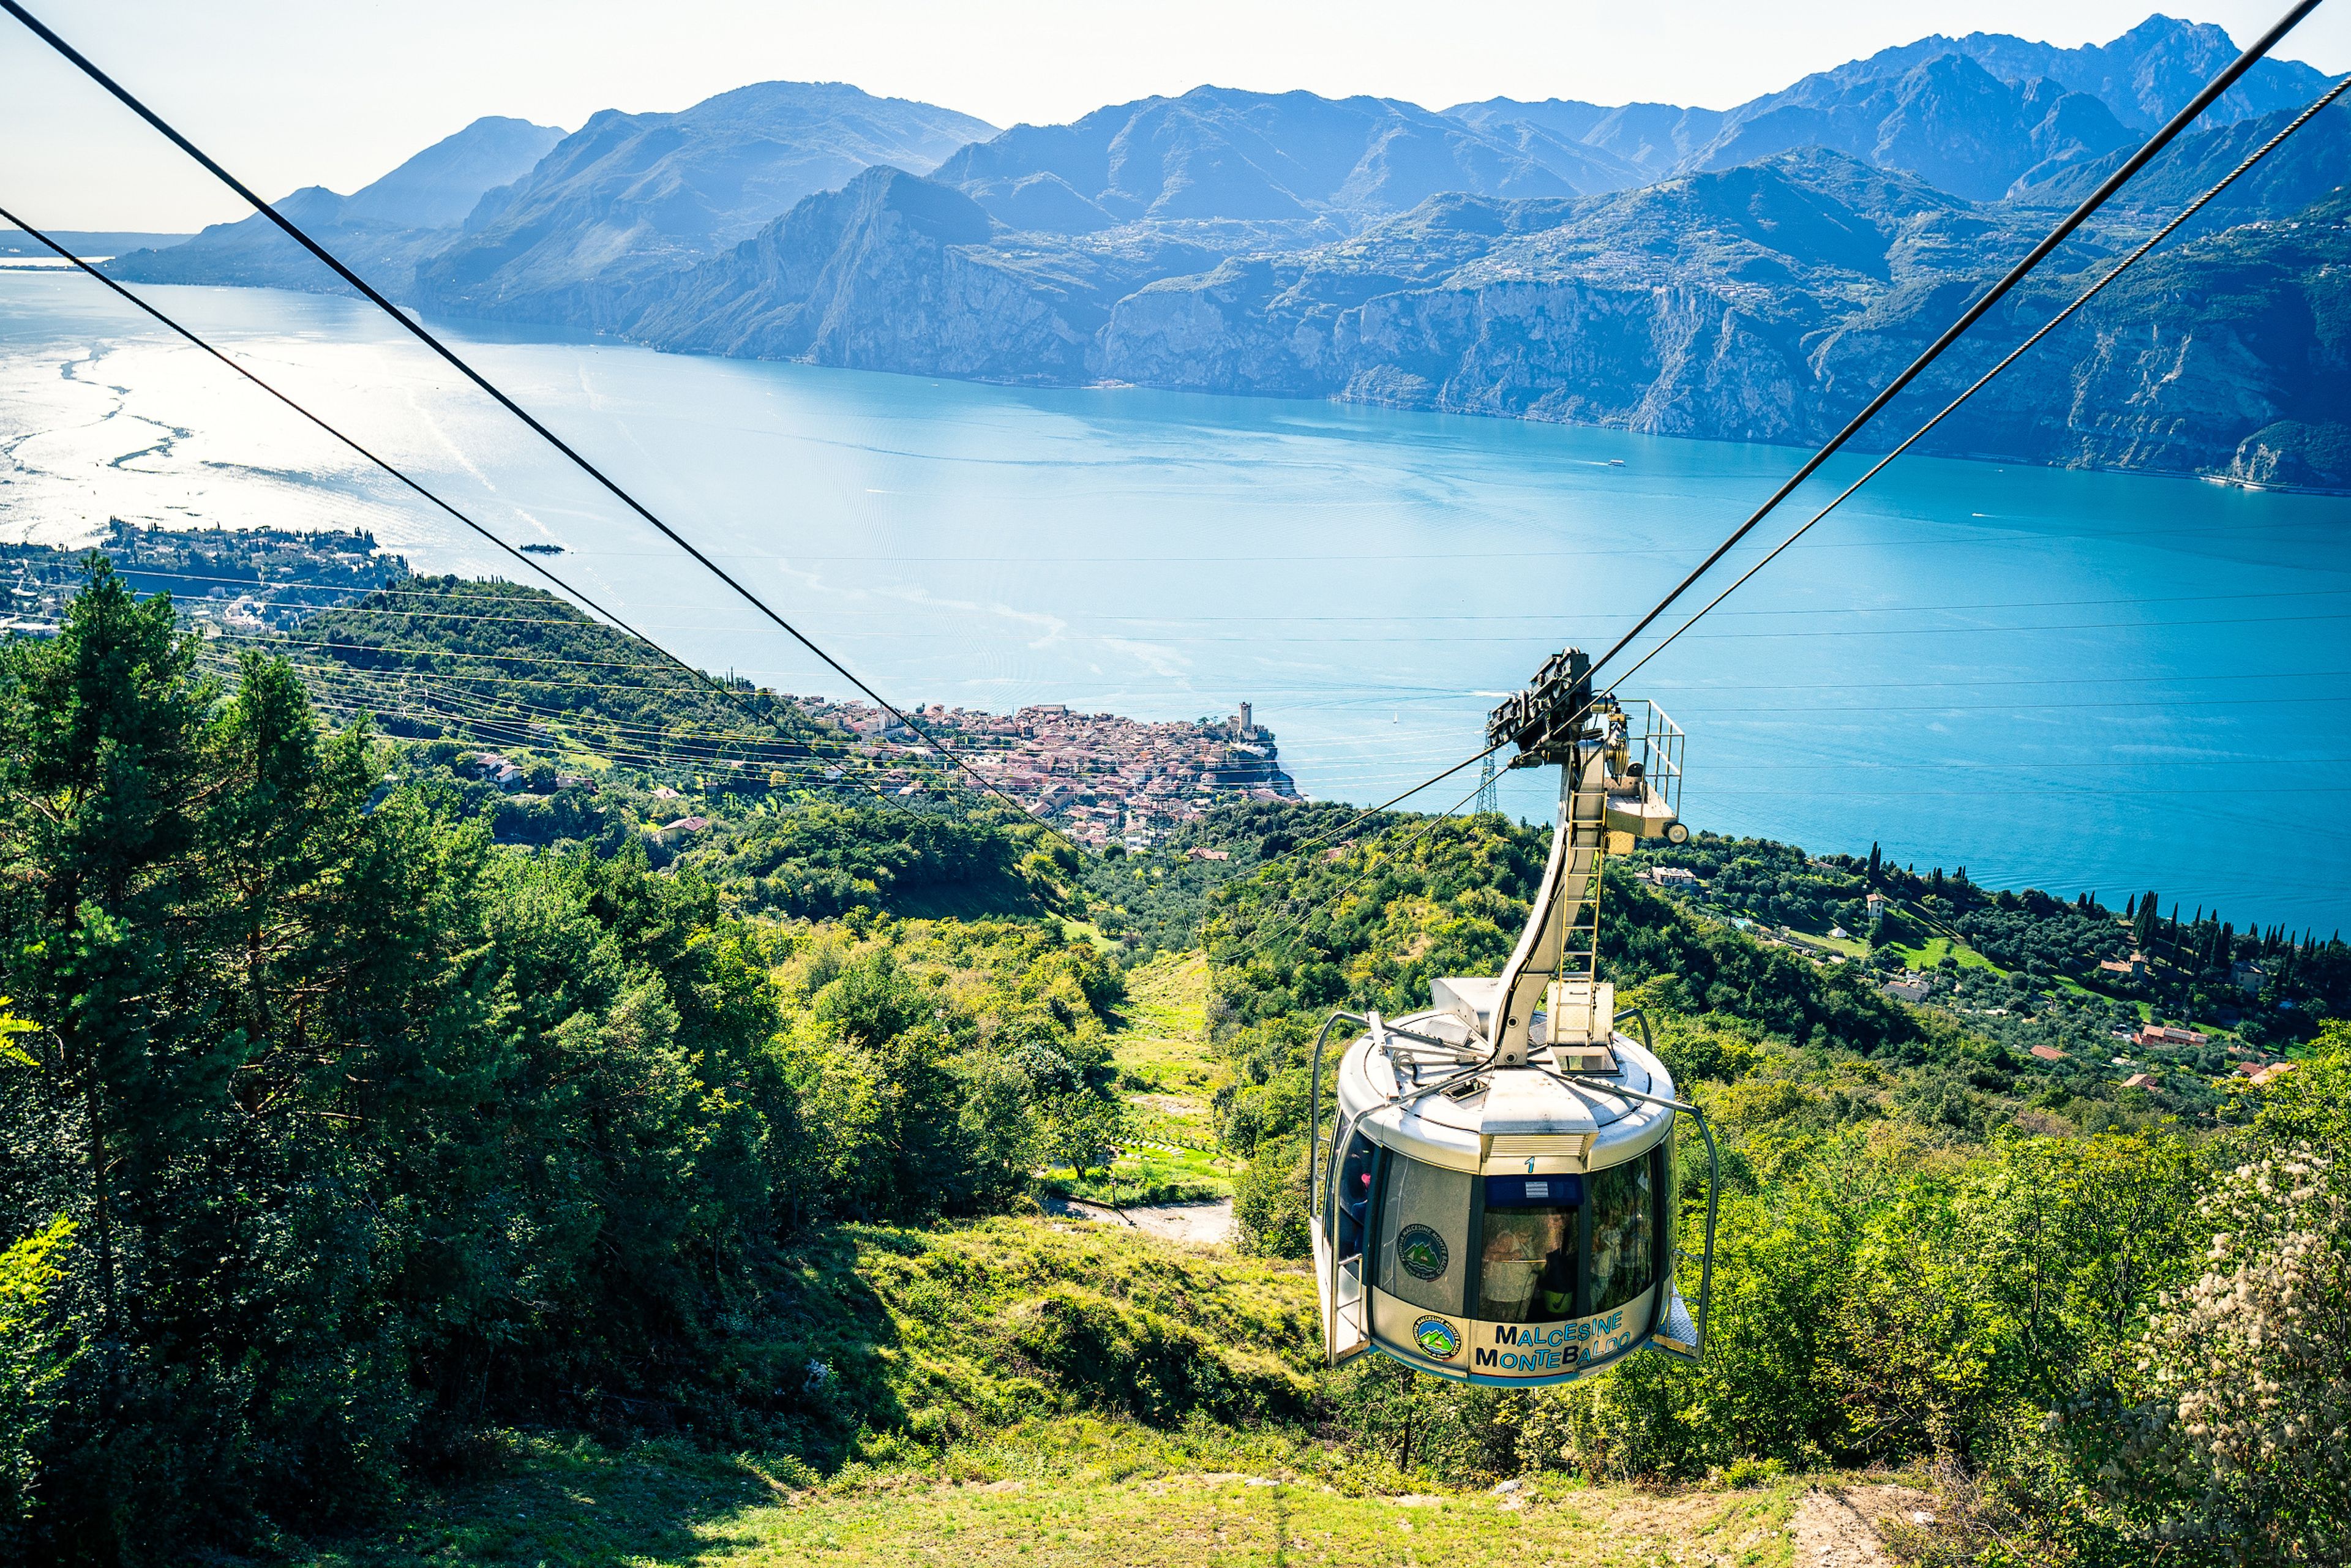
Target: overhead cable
[2189, 114]
[424, 335]
[2195, 107]
[2166, 232]
[149, 309]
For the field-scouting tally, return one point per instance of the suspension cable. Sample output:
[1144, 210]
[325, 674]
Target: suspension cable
[1260, 941]
[2212, 90]
[424, 335]
[145, 306]
[2166, 232]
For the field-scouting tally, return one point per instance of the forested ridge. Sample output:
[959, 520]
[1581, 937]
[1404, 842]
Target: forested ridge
[366, 1131]
[377, 1129]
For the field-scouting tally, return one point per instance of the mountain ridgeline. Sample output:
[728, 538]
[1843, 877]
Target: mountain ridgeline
[1748, 273]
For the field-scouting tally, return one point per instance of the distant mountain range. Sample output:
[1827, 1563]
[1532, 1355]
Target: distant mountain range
[512, 219]
[1992, 92]
[630, 196]
[383, 230]
[1748, 273]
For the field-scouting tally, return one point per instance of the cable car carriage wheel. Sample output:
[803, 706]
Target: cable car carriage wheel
[1496, 1200]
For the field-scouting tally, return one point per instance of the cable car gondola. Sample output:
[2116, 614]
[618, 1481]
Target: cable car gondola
[1496, 1200]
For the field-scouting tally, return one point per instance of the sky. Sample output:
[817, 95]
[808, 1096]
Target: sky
[288, 93]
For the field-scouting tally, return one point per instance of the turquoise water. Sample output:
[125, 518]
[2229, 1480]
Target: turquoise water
[2072, 680]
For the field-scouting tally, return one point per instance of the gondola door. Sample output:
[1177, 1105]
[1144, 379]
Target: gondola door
[1342, 1227]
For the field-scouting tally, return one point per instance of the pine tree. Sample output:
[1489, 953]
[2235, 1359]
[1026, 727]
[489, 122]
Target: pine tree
[105, 733]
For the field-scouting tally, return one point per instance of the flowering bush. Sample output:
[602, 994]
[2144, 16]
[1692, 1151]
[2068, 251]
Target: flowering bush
[2239, 1450]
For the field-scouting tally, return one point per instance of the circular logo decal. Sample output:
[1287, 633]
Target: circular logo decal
[1422, 1252]
[1436, 1338]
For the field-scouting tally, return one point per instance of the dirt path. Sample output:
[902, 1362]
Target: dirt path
[1201, 1224]
[1836, 1526]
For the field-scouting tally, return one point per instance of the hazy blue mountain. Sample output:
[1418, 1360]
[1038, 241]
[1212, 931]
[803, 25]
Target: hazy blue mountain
[628, 197]
[86, 242]
[1220, 153]
[1656, 139]
[2145, 76]
[1682, 307]
[897, 272]
[1763, 302]
[1570, 118]
[1587, 169]
[889, 270]
[2316, 162]
[1976, 115]
[440, 185]
[383, 229]
[1750, 273]
[1946, 120]
[1767, 302]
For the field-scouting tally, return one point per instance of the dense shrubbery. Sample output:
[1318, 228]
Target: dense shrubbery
[1153, 901]
[369, 1133]
[2040, 939]
[825, 860]
[348, 1130]
[1904, 1271]
[499, 663]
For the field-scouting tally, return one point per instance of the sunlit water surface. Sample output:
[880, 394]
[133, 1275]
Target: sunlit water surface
[2075, 681]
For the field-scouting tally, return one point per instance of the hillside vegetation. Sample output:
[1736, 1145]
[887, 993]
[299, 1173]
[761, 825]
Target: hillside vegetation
[382, 1182]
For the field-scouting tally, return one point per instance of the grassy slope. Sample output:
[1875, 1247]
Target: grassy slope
[487, 660]
[1022, 1391]
[1930, 953]
[1164, 1042]
[1168, 1073]
[955, 1330]
[575, 1504]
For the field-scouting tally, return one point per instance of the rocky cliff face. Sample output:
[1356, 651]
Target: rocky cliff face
[385, 230]
[629, 198]
[1764, 302]
[889, 273]
[2229, 355]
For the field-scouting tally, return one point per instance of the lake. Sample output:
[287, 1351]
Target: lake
[2068, 680]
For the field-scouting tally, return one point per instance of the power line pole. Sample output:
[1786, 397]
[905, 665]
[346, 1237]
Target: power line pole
[1487, 800]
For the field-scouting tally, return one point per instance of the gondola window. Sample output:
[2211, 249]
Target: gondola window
[1623, 1231]
[1424, 1213]
[1527, 1254]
